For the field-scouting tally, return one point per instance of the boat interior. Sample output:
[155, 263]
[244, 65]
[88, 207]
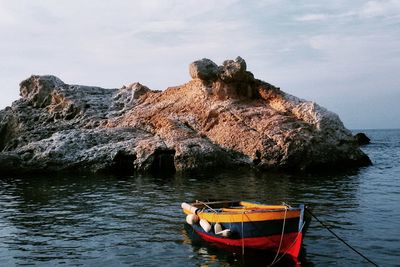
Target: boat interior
[236, 206]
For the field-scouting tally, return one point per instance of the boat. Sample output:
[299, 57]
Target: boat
[276, 228]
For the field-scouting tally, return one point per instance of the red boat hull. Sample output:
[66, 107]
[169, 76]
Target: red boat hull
[291, 242]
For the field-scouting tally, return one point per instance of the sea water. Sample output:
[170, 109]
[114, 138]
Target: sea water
[137, 220]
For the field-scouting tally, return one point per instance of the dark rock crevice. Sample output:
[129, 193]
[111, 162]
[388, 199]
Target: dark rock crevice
[163, 162]
[123, 163]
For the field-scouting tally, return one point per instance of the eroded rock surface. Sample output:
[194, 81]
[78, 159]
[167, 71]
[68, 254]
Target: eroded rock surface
[222, 117]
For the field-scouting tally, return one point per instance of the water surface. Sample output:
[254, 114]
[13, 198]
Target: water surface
[137, 221]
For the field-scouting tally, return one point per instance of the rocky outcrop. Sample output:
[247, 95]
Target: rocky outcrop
[223, 117]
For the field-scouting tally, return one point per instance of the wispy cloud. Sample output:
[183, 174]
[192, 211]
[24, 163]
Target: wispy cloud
[371, 9]
[380, 8]
[313, 17]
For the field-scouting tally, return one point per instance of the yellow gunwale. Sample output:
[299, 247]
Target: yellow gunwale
[250, 213]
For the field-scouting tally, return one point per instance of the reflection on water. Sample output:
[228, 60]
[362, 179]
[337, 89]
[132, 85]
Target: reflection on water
[137, 220]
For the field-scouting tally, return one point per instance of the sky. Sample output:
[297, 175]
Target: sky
[344, 55]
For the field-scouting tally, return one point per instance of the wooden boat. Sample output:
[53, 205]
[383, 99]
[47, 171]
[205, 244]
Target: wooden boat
[276, 228]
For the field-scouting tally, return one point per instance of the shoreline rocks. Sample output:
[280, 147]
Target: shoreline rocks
[223, 117]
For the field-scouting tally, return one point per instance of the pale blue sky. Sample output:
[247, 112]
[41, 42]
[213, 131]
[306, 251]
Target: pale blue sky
[344, 55]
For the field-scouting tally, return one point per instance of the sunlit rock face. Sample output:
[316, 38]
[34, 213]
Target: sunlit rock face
[223, 117]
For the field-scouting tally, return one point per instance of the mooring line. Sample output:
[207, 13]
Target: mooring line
[341, 239]
[280, 242]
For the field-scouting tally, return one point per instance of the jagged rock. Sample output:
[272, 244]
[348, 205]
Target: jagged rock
[37, 89]
[218, 119]
[362, 139]
[127, 96]
[204, 69]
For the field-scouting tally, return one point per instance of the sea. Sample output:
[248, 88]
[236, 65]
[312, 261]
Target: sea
[105, 220]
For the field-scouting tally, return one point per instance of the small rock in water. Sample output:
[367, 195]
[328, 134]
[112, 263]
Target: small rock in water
[362, 139]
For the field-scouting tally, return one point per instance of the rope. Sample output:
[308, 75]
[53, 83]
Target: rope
[280, 242]
[291, 245]
[201, 202]
[242, 235]
[338, 237]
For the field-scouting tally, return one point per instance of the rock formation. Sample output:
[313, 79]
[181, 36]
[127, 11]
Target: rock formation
[223, 117]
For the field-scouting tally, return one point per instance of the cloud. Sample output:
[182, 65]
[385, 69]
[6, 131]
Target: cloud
[6, 17]
[379, 8]
[371, 9]
[335, 58]
[298, 46]
[313, 17]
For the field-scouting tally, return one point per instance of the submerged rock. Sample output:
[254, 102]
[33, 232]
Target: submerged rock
[223, 117]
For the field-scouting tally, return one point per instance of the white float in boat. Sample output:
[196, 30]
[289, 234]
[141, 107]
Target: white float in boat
[219, 231]
[205, 225]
